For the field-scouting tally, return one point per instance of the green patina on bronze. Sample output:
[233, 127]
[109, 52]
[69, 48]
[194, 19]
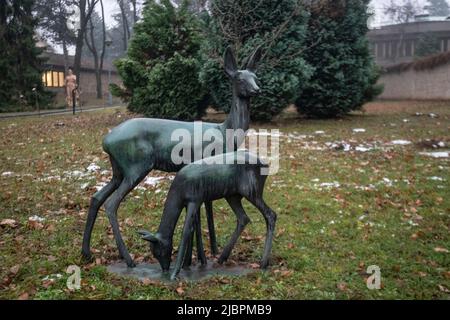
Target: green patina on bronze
[235, 176]
[137, 146]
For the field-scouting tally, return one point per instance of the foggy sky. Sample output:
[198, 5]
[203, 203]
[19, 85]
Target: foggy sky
[111, 7]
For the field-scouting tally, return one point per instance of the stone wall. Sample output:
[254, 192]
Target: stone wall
[427, 84]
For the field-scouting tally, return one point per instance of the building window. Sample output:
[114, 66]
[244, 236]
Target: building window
[53, 79]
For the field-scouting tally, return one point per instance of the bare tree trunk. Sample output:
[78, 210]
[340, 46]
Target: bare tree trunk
[125, 25]
[66, 56]
[135, 17]
[86, 7]
[102, 56]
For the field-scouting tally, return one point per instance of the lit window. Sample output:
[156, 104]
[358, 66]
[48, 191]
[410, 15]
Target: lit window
[53, 79]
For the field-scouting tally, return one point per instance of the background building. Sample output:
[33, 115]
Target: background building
[54, 76]
[398, 43]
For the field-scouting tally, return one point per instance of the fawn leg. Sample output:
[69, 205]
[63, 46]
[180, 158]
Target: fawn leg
[199, 241]
[270, 216]
[211, 230]
[242, 221]
[97, 201]
[187, 232]
[187, 262]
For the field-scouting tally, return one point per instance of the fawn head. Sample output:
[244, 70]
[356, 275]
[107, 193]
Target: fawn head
[244, 81]
[161, 249]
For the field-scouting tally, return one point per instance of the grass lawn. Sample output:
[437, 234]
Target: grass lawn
[345, 200]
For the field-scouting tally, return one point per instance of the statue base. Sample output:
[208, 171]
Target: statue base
[197, 272]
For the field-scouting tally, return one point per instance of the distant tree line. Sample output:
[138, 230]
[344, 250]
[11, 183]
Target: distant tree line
[315, 55]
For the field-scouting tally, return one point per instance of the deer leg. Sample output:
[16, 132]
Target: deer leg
[187, 262]
[199, 241]
[270, 216]
[242, 221]
[112, 205]
[97, 201]
[188, 229]
[211, 231]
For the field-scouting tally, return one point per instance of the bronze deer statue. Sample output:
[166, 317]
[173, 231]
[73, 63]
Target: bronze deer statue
[238, 176]
[139, 145]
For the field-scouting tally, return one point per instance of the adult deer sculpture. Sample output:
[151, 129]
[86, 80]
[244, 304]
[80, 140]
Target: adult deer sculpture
[139, 145]
[232, 176]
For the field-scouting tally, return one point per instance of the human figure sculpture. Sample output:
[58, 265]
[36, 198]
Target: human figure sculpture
[236, 175]
[139, 145]
[71, 87]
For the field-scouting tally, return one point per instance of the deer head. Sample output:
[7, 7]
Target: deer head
[161, 249]
[244, 81]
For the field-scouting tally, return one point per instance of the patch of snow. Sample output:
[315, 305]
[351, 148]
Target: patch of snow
[400, 142]
[330, 184]
[387, 182]
[436, 178]
[362, 149]
[85, 185]
[100, 186]
[153, 181]
[435, 154]
[297, 137]
[36, 218]
[93, 167]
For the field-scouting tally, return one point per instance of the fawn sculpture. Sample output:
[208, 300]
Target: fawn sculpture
[238, 176]
[139, 145]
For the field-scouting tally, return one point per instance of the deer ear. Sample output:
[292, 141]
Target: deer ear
[253, 60]
[148, 236]
[230, 62]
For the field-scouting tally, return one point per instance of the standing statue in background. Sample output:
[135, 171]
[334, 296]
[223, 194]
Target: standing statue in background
[140, 145]
[71, 86]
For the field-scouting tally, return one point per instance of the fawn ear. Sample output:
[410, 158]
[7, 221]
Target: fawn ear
[230, 62]
[146, 235]
[253, 60]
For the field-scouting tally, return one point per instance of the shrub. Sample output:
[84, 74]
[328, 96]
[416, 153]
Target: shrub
[160, 71]
[345, 75]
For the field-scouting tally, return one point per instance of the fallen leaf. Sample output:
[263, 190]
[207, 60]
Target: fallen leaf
[24, 296]
[286, 273]
[148, 281]
[440, 249]
[180, 291]
[443, 289]
[9, 223]
[36, 225]
[14, 270]
[342, 286]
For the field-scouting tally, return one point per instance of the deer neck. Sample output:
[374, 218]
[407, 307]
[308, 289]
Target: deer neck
[172, 211]
[239, 116]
